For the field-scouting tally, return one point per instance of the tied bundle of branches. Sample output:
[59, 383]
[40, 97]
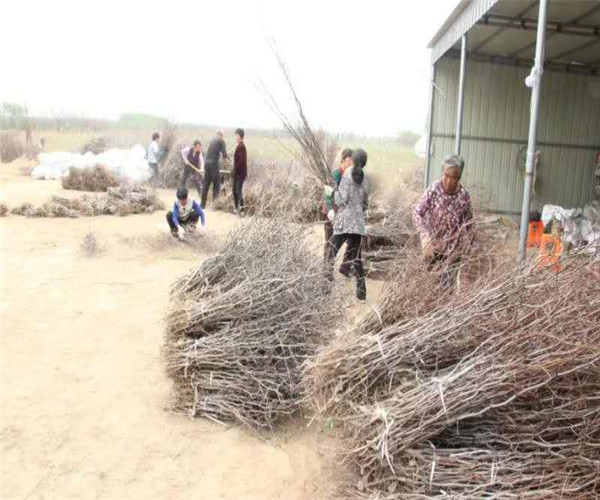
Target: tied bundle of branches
[270, 195]
[389, 232]
[123, 200]
[171, 166]
[493, 394]
[242, 324]
[96, 146]
[97, 178]
[317, 156]
[3, 210]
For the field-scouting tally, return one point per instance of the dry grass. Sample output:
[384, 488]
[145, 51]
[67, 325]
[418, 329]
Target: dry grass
[11, 147]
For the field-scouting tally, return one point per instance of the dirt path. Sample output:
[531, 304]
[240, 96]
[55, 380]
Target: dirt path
[84, 395]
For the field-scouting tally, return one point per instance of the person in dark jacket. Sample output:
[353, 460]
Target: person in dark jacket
[185, 214]
[240, 170]
[193, 169]
[216, 149]
[351, 198]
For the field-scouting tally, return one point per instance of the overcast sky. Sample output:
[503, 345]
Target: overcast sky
[358, 66]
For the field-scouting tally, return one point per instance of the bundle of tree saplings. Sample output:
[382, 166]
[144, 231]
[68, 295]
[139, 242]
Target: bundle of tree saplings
[493, 393]
[97, 178]
[241, 325]
[269, 196]
[123, 200]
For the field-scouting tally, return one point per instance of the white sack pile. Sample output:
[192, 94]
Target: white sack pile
[127, 164]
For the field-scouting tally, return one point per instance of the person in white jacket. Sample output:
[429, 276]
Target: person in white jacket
[153, 155]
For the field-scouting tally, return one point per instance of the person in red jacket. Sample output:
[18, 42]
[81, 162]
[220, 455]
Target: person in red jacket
[240, 170]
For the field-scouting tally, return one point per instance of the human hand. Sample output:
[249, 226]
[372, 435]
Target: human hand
[331, 215]
[181, 233]
[427, 246]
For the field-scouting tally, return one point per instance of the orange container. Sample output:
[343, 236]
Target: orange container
[550, 252]
[536, 230]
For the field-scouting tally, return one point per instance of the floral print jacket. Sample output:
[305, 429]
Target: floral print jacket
[446, 218]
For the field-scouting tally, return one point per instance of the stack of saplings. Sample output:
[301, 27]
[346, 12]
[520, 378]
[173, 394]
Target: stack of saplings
[492, 393]
[123, 200]
[97, 178]
[241, 325]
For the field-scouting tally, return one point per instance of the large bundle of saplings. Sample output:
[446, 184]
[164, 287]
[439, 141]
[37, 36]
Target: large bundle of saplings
[274, 196]
[124, 200]
[492, 393]
[241, 325]
[97, 178]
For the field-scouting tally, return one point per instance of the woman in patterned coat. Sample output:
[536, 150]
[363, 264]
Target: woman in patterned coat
[351, 198]
[444, 218]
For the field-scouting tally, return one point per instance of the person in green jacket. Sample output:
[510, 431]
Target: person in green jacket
[329, 210]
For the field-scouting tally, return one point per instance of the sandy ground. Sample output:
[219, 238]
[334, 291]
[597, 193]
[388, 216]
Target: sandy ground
[84, 395]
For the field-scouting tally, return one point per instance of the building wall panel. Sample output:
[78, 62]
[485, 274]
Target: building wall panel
[497, 110]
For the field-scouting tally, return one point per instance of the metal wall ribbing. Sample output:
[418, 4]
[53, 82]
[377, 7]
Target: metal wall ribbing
[496, 118]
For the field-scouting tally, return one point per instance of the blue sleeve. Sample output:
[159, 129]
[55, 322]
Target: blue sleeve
[175, 214]
[198, 209]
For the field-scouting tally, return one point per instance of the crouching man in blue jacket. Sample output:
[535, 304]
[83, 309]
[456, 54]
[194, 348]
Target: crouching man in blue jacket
[185, 214]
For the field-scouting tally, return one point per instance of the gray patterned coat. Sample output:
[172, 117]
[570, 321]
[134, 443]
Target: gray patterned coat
[352, 201]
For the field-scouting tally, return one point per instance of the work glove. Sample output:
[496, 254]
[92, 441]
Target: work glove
[181, 233]
[328, 190]
[331, 215]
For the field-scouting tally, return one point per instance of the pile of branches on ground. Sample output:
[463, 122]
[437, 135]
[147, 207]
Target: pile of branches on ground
[241, 325]
[97, 178]
[171, 166]
[389, 232]
[3, 210]
[491, 393]
[124, 200]
[270, 195]
[96, 146]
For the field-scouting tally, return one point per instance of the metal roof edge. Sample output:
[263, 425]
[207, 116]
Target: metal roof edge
[463, 18]
[460, 6]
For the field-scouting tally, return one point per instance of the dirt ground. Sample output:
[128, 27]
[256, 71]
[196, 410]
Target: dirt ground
[84, 395]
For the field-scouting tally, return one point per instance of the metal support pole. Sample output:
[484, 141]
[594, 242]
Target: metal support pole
[536, 84]
[430, 127]
[461, 93]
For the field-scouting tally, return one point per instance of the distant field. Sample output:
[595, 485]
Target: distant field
[391, 164]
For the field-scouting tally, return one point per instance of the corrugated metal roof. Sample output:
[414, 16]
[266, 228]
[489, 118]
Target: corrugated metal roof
[462, 18]
[507, 29]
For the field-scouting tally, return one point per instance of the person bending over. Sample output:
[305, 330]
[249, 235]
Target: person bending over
[193, 168]
[185, 214]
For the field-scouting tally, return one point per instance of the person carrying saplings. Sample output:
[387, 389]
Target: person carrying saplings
[329, 210]
[185, 214]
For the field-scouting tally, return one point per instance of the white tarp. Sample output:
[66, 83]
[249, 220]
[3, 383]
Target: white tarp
[579, 225]
[128, 164]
